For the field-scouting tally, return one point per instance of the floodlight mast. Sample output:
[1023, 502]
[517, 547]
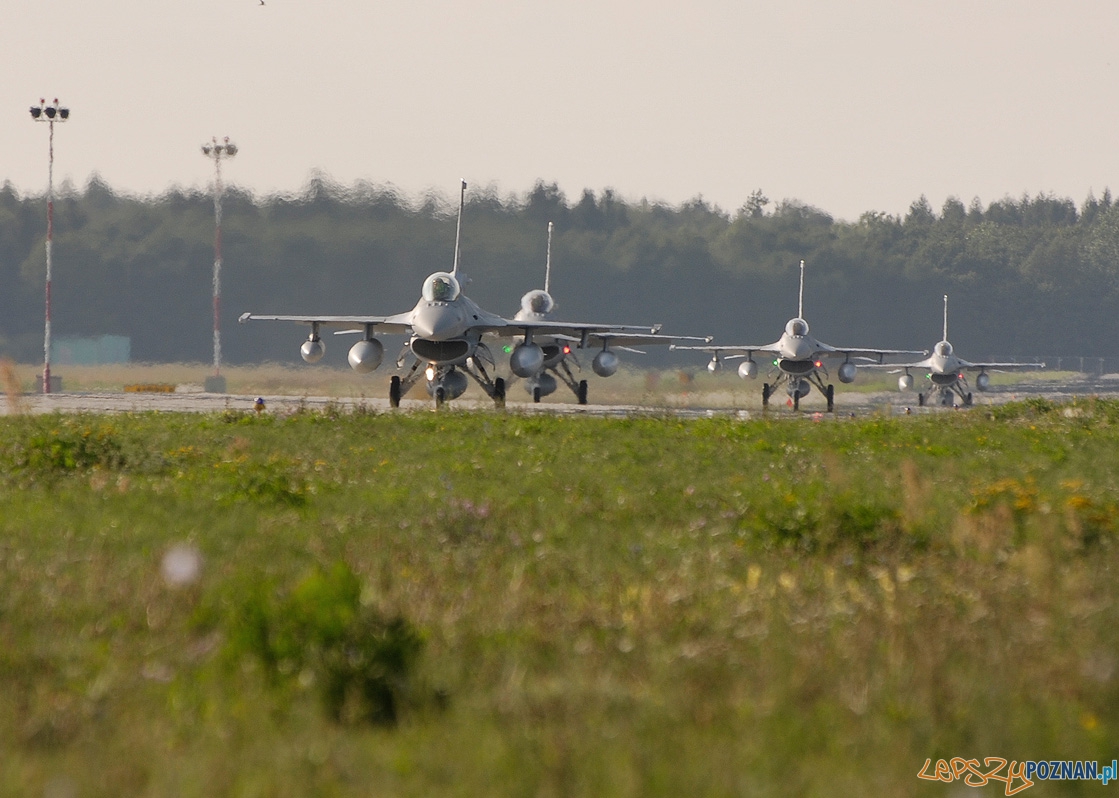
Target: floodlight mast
[216, 151]
[49, 114]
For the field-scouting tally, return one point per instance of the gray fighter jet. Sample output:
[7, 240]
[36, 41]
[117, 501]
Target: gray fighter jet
[945, 372]
[538, 305]
[445, 345]
[798, 358]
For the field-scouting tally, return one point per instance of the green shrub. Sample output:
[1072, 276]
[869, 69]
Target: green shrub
[362, 662]
[66, 447]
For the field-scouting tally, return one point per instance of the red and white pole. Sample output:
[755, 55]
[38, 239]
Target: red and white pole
[217, 266]
[226, 149]
[48, 113]
[50, 240]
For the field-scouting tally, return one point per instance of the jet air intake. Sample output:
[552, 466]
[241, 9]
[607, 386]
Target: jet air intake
[451, 351]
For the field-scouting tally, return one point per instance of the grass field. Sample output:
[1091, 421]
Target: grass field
[483, 603]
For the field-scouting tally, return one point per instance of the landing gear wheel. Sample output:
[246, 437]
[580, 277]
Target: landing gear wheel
[831, 398]
[920, 400]
[499, 392]
[536, 394]
[765, 394]
[967, 400]
[796, 401]
[394, 392]
[581, 394]
[440, 396]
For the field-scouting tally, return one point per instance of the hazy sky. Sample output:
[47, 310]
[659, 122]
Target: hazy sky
[849, 106]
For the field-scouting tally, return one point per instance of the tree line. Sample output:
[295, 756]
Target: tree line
[1032, 276]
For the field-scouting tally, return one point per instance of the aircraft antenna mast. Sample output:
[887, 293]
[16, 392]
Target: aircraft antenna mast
[800, 304]
[945, 317]
[548, 263]
[458, 230]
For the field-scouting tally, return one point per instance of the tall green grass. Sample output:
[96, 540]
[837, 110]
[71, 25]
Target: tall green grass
[553, 606]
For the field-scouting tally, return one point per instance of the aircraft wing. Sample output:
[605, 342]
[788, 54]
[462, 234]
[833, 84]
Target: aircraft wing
[920, 364]
[732, 352]
[624, 339]
[879, 354]
[1000, 366]
[506, 328]
[385, 324]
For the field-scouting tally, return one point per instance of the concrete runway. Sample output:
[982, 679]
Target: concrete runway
[847, 403]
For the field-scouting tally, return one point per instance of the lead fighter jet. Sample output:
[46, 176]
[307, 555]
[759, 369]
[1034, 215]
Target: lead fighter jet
[445, 344]
[798, 358]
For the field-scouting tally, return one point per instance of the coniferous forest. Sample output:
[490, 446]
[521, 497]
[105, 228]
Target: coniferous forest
[1036, 276]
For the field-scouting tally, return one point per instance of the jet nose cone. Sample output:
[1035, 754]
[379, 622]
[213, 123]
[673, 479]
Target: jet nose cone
[798, 349]
[435, 322]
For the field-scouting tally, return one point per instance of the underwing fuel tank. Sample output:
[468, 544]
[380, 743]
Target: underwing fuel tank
[526, 360]
[545, 382]
[365, 356]
[312, 350]
[605, 363]
[453, 383]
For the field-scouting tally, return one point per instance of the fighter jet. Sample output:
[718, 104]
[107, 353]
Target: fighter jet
[798, 358]
[538, 305]
[945, 372]
[445, 345]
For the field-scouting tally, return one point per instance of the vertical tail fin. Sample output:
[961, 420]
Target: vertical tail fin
[945, 338]
[458, 230]
[548, 263]
[800, 304]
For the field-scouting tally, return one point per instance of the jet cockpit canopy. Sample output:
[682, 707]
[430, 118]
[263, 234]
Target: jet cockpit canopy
[441, 287]
[537, 302]
[796, 327]
[943, 348]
